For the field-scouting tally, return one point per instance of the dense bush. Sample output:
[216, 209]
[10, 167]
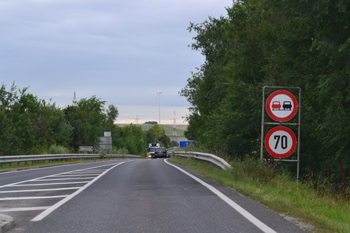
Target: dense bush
[56, 149]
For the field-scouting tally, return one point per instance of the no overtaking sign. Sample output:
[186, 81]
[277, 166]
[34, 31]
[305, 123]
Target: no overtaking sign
[281, 106]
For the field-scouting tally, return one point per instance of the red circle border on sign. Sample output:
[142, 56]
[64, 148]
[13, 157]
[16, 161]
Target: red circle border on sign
[271, 152]
[290, 95]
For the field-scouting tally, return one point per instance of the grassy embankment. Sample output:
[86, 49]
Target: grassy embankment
[279, 192]
[167, 128]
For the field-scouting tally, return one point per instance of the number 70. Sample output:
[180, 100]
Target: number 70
[283, 141]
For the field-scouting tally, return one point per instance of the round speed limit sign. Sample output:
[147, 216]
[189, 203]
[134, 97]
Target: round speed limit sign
[280, 142]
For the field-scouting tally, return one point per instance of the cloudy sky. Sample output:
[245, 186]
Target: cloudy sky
[120, 51]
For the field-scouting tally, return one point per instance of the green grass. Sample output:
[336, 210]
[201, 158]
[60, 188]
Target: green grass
[167, 128]
[57, 149]
[280, 193]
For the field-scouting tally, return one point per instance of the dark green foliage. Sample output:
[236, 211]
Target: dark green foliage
[86, 116]
[32, 126]
[174, 143]
[303, 43]
[131, 137]
[157, 134]
[29, 125]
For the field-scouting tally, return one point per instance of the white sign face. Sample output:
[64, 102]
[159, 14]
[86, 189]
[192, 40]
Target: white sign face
[281, 106]
[280, 142]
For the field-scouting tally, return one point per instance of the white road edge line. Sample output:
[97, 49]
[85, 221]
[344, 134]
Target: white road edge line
[234, 205]
[24, 209]
[31, 198]
[48, 211]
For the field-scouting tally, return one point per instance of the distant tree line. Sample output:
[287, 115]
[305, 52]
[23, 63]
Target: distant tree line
[29, 125]
[151, 122]
[298, 43]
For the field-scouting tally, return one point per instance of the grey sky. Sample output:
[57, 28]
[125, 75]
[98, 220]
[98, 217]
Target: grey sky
[120, 51]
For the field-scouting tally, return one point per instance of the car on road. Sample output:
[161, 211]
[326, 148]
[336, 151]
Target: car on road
[276, 105]
[155, 151]
[287, 105]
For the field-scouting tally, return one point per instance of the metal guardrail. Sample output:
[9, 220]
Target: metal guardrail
[204, 156]
[32, 158]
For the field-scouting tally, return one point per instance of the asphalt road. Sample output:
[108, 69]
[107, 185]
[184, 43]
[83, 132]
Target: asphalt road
[129, 196]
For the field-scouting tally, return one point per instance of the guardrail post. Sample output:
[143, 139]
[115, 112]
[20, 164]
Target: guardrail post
[10, 164]
[18, 163]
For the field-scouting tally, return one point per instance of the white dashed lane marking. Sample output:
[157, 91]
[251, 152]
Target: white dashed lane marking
[31, 185]
[31, 198]
[51, 187]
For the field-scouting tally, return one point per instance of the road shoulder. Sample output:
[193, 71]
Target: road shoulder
[6, 222]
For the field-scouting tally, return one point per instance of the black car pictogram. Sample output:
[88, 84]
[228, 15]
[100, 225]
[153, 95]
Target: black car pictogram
[287, 105]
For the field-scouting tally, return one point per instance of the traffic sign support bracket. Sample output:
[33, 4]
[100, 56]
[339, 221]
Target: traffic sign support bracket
[280, 123]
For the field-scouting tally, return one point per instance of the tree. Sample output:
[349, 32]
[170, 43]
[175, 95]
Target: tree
[28, 125]
[132, 138]
[87, 117]
[273, 43]
[112, 113]
[155, 133]
[174, 143]
[151, 122]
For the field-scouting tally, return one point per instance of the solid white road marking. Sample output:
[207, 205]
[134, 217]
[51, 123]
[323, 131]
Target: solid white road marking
[24, 209]
[61, 179]
[79, 182]
[30, 198]
[234, 205]
[38, 190]
[85, 172]
[75, 176]
[58, 204]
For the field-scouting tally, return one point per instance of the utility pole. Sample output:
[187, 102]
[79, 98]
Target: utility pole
[174, 128]
[158, 93]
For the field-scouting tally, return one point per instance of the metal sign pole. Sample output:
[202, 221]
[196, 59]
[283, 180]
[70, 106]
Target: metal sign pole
[299, 121]
[262, 124]
[281, 123]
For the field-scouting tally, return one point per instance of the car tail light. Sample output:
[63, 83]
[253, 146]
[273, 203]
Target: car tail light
[156, 152]
[164, 151]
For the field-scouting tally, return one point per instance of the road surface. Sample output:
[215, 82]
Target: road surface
[129, 196]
